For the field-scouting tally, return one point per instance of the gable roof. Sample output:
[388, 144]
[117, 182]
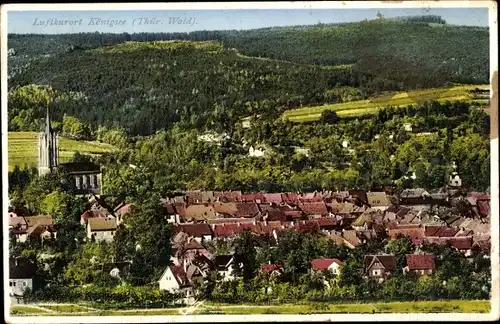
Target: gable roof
[195, 230]
[180, 275]
[199, 212]
[16, 221]
[39, 220]
[21, 268]
[411, 230]
[102, 224]
[323, 264]
[246, 210]
[421, 261]
[388, 261]
[222, 262]
[92, 214]
[273, 197]
[377, 199]
[252, 197]
[440, 231]
[314, 208]
[271, 267]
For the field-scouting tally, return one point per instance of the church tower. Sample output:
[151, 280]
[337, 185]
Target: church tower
[48, 150]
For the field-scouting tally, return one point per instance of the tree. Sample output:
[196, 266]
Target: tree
[329, 117]
[74, 128]
[245, 255]
[351, 273]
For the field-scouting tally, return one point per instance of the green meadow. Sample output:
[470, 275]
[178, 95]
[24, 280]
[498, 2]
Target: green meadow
[23, 149]
[399, 99]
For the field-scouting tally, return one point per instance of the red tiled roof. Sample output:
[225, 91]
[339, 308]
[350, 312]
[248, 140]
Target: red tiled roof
[123, 209]
[413, 231]
[195, 230]
[461, 243]
[246, 210]
[483, 207]
[92, 214]
[440, 231]
[325, 221]
[169, 208]
[252, 197]
[180, 209]
[271, 267]
[323, 264]
[290, 197]
[479, 196]
[273, 197]
[421, 261]
[313, 208]
[228, 230]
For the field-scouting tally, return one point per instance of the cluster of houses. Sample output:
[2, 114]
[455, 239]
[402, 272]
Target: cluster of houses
[350, 218]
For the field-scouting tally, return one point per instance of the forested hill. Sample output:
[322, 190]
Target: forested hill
[145, 86]
[413, 52]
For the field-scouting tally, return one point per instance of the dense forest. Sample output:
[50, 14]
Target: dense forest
[418, 51]
[145, 86]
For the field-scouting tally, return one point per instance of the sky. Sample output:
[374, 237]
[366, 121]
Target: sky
[134, 21]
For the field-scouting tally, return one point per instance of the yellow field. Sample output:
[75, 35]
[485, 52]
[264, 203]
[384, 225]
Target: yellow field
[371, 106]
[23, 149]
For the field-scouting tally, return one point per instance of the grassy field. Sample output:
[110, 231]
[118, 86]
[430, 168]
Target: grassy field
[452, 306]
[401, 99]
[23, 148]
[449, 306]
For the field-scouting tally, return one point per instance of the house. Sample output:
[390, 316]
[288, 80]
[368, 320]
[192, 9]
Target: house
[247, 210]
[380, 266]
[378, 200]
[101, 229]
[313, 208]
[414, 197]
[224, 266]
[16, 222]
[272, 269]
[121, 210]
[201, 232]
[199, 212]
[332, 265]
[44, 232]
[273, 198]
[92, 214]
[257, 151]
[39, 220]
[21, 275]
[409, 230]
[363, 222]
[175, 280]
[420, 264]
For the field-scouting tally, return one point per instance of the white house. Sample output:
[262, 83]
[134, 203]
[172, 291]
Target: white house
[408, 127]
[224, 264]
[21, 274]
[256, 152]
[332, 265]
[175, 280]
[101, 229]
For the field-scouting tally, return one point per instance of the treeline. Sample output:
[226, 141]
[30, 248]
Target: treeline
[422, 19]
[145, 87]
[380, 47]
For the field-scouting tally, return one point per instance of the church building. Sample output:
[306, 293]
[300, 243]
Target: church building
[85, 177]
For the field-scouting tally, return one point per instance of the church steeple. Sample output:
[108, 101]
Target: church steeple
[48, 151]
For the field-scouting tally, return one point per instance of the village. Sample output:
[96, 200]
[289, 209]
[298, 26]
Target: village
[349, 218]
